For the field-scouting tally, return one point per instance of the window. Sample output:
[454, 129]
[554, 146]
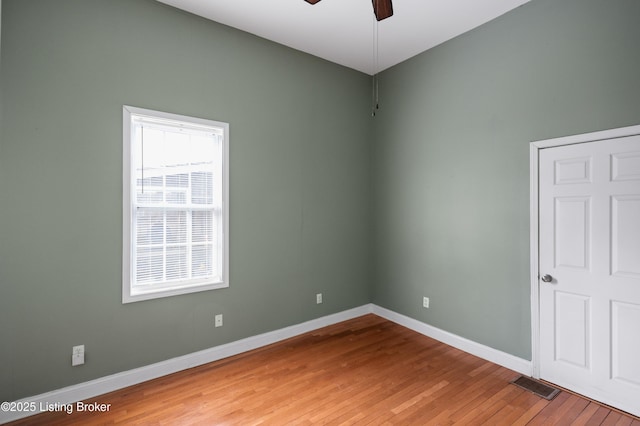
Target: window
[175, 204]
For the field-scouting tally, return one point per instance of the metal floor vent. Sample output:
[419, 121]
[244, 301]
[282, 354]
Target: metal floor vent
[540, 389]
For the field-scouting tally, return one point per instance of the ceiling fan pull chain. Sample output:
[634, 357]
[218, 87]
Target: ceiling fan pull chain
[375, 104]
[374, 94]
[377, 93]
[374, 98]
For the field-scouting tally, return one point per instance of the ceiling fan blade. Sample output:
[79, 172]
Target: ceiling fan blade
[382, 9]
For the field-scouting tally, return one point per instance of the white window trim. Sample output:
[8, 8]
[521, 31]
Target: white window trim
[127, 206]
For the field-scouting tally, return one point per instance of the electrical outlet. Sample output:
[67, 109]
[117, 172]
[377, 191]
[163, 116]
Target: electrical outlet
[425, 302]
[77, 355]
[319, 298]
[219, 320]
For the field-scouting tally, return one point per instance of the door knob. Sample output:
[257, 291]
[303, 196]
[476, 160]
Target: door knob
[547, 278]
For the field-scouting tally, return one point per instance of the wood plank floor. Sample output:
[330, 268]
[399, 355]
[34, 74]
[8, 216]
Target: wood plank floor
[366, 371]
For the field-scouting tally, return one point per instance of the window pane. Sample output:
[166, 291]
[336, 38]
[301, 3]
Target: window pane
[177, 263]
[202, 227]
[176, 197]
[178, 180]
[149, 265]
[202, 187]
[150, 227]
[149, 181]
[149, 196]
[176, 227]
[202, 260]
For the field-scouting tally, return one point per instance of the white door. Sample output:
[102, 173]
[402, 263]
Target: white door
[589, 243]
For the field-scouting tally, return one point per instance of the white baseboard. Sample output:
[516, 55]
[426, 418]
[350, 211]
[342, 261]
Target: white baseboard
[504, 359]
[90, 389]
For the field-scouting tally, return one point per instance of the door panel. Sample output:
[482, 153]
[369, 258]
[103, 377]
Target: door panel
[572, 224]
[625, 166]
[573, 170]
[625, 226]
[573, 329]
[589, 242]
[625, 350]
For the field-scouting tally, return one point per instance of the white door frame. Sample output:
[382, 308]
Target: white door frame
[534, 150]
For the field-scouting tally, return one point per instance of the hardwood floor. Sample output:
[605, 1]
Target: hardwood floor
[363, 371]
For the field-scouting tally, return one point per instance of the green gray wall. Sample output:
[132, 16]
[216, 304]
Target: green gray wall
[452, 156]
[431, 198]
[300, 184]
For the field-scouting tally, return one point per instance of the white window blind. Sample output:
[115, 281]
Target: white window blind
[177, 205]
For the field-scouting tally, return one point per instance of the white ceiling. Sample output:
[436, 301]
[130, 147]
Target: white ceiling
[342, 31]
